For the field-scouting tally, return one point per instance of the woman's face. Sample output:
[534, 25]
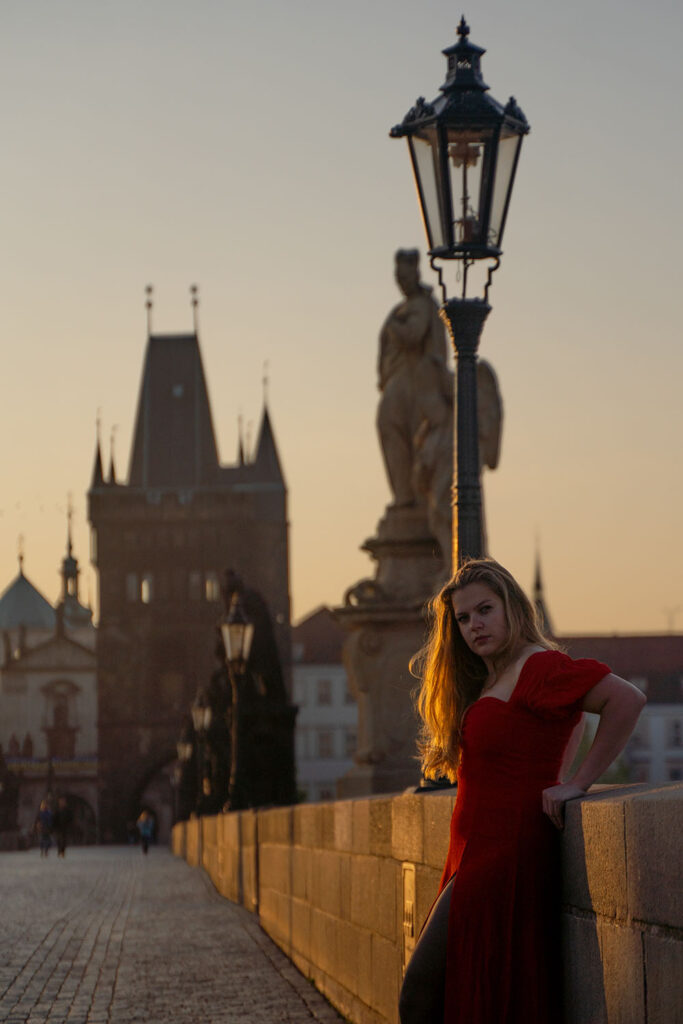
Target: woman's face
[480, 615]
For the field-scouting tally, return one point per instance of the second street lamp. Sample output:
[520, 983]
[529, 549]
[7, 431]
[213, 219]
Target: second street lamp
[237, 632]
[464, 148]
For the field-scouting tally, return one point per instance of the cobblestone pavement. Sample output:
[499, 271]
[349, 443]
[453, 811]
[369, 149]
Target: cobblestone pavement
[108, 936]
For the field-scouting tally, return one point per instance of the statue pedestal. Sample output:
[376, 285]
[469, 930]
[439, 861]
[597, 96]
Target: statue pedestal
[384, 617]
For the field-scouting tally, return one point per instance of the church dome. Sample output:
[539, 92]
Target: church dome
[22, 605]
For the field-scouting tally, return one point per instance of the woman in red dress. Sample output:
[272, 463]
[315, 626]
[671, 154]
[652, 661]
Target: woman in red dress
[502, 713]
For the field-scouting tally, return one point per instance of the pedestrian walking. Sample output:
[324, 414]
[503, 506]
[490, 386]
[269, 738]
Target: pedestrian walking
[145, 825]
[43, 828]
[502, 714]
[62, 824]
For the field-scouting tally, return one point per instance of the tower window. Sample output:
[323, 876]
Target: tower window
[212, 587]
[132, 586]
[147, 588]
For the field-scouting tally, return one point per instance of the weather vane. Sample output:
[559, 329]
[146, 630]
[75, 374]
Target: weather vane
[194, 292]
[149, 291]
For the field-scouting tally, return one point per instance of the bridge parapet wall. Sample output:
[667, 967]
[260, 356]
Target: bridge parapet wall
[343, 889]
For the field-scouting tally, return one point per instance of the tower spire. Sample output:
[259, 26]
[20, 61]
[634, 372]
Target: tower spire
[20, 553]
[539, 596]
[112, 467]
[240, 444]
[97, 478]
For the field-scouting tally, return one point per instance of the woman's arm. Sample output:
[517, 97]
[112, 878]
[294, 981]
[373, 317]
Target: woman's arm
[619, 704]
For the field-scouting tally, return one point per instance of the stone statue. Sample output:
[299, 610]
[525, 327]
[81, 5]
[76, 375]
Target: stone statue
[414, 379]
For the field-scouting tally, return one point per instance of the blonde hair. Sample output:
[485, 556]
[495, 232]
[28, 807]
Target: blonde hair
[452, 675]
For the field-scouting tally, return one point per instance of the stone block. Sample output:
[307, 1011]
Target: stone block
[364, 986]
[386, 977]
[345, 869]
[389, 898]
[326, 825]
[584, 993]
[380, 826]
[364, 888]
[329, 882]
[594, 856]
[301, 872]
[275, 867]
[361, 826]
[275, 825]
[407, 827]
[343, 825]
[323, 941]
[654, 822]
[348, 955]
[664, 976]
[307, 825]
[437, 810]
[301, 928]
[247, 824]
[621, 956]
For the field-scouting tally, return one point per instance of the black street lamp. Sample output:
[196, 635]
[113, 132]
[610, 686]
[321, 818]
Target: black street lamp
[186, 775]
[201, 719]
[237, 632]
[464, 148]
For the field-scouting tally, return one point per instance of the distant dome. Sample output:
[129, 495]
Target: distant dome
[22, 605]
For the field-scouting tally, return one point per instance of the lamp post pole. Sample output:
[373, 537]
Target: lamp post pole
[464, 149]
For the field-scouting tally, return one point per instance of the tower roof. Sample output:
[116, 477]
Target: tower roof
[173, 443]
[266, 461]
[21, 604]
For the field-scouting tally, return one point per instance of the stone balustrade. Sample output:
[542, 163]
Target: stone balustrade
[343, 888]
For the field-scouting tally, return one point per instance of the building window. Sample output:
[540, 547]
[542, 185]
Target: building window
[147, 588]
[325, 743]
[212, 587]
[675, 774]
[93, 545]
[60, 728]
[195, 587]
[132, 586]
[326, 793]
[348, 694]
[324, 692]
[675, 737]
[350, 741]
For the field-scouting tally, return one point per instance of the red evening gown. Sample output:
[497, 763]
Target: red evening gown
[503, 962]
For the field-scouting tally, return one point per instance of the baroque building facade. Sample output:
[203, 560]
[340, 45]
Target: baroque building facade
[161, 543]
[48, 704]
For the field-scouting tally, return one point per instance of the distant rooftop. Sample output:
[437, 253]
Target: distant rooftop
[22, 605]
[318, 639]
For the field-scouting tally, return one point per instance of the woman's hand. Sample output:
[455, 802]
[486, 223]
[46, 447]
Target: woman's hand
[556, 797]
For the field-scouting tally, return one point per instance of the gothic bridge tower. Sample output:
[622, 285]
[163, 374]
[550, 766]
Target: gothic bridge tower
[161, 543]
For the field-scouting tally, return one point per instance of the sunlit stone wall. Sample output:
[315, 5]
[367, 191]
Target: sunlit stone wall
[343, 888]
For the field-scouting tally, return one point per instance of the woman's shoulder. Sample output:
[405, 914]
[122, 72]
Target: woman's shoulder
[552, 680]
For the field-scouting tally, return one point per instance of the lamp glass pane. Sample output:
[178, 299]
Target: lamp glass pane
[466, 161]
[233, 638]
[423, 147]
[507, 153]
[248, 637]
